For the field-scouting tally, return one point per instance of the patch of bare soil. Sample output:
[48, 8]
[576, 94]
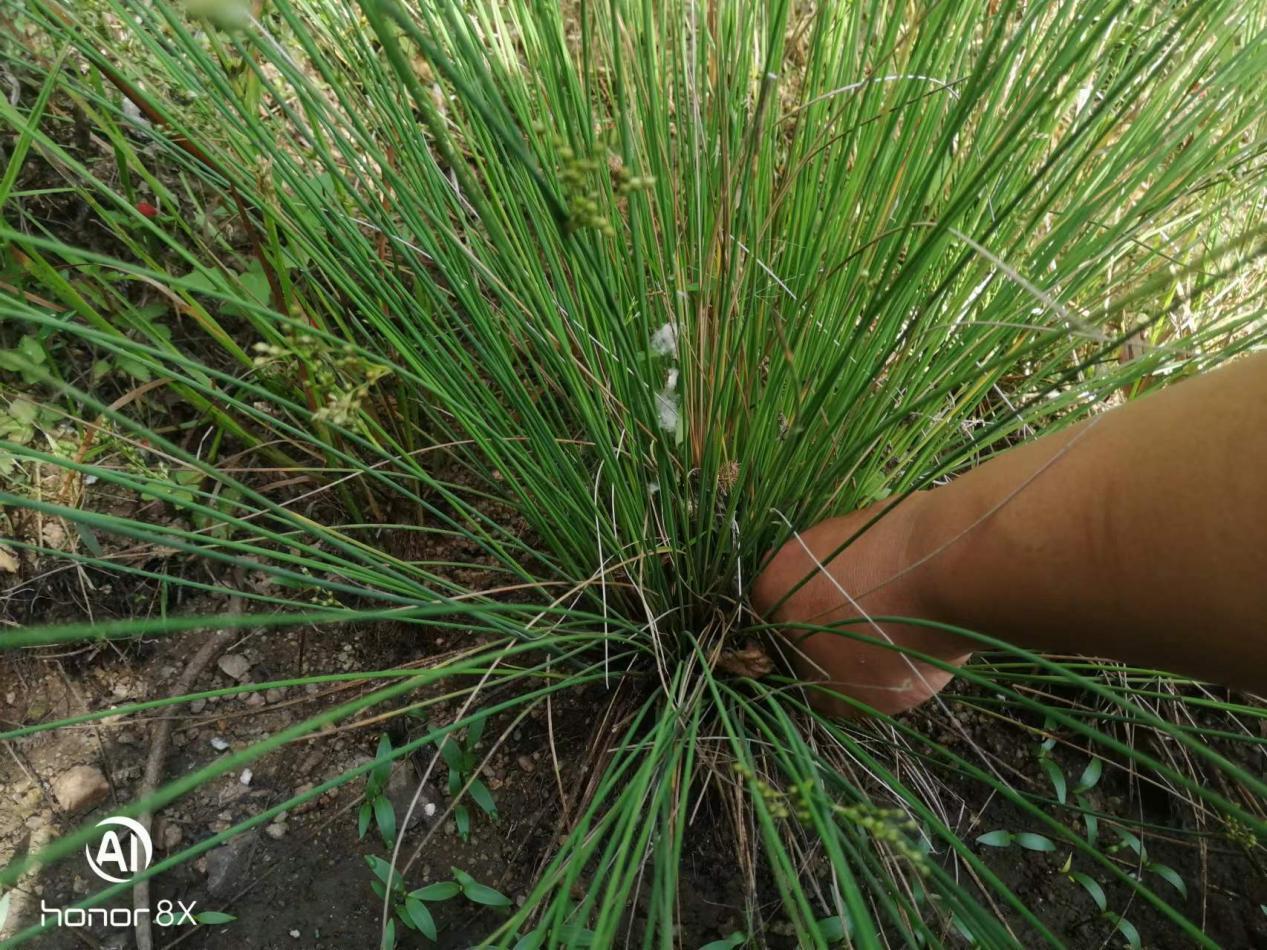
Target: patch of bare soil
[301, 880]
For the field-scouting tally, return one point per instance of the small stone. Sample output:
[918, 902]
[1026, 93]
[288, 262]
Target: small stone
[274, 695]
[255, 699]
[526, 763]
[172, 836]
[219, 744]
[401, 788]
[246, 776]
[234, 665]
[276, 831]
[295, 934]
[198, 705]
[80, 788]
[225, 865]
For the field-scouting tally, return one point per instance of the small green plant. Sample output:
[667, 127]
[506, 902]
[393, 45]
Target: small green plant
[1030, 841]
[377, 807]
[1088, 780]
[460, 756]
[1128, 840]
[410, 907]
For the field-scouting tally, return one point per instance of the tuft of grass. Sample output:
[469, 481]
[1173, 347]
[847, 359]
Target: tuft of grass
[609, 300]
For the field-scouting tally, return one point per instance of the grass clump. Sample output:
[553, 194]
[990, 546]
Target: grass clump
[610, 300]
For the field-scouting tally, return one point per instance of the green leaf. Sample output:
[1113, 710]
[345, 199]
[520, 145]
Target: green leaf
[452, 754]
[89, 539]
[214, 917]
[530, 941]
[1033, 842]
[1092, 887]
[1171, 876]
[439, 891]
[4, 907]
[957, 922]
[1056, 776]
[1129, 839]
[733, 940]
[202, 280]
[996, 839]
[363, 819]
[421, 917]
[23, 410]
[483, 894]
[383, 770]
[135, 367]
[389, 935]
[462, 819]
[1090, 776]
[833, 929]
[385, 816]
[483, 797]
[1093, 826]
[574, 935]
[1127, 930]
[32, 350]
[382, 869]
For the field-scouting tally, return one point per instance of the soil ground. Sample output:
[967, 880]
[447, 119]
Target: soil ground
[304, 882]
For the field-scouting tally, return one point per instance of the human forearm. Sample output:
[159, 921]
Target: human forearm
[1140, 534]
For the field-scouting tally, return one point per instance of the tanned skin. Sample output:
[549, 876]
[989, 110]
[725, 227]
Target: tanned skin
[1138, 535]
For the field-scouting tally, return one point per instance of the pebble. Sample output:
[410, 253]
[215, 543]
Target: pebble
[172, 836]
[401, 787]
[234, 665]
[80, 788]
[276, 830]
[246, 776]
[295, 934]
[274, 695]
[225, 865]
[198, 705]
[255, 699]
[219, 744]
[526, 763]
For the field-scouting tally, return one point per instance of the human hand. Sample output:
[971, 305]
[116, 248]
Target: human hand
[876, 571]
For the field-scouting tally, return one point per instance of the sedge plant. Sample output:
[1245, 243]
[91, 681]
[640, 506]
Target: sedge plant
[610, 299]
